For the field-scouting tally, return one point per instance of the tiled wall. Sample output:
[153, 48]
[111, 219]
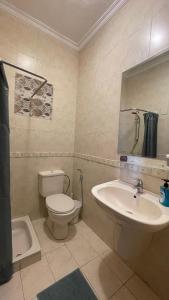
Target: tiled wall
[37, 106]
[132, 35]
[138, 31]
[29, 48]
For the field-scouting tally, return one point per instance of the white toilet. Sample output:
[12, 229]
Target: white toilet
[62, 210]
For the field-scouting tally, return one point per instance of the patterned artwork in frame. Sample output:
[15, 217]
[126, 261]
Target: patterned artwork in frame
[40, 106]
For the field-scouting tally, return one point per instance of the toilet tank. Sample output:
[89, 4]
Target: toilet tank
[51, 182]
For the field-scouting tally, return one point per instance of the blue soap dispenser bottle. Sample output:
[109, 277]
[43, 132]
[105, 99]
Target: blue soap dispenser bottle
[164, 192]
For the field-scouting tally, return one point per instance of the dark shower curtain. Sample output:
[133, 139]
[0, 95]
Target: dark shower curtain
[150, 135]
[5, 209]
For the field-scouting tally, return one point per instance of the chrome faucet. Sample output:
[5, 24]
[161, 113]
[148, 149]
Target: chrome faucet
[139, 186]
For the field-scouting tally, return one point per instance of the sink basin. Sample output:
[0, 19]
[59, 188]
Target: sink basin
[135, 216]
[123, 202]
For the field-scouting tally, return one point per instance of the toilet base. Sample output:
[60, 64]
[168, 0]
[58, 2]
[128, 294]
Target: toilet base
[59, 224]
[76, 217]
[59, 231]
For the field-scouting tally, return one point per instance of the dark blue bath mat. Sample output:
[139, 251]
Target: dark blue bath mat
[72, 287]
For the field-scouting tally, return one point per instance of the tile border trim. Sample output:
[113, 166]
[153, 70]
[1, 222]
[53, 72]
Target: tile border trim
[150, 170]
[155, 171]
[40, 154]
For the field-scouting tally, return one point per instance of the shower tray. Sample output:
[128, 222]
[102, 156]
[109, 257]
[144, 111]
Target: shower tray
[25, 245]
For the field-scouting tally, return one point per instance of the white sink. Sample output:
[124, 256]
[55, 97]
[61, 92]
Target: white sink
[124, 202]
[136, 216]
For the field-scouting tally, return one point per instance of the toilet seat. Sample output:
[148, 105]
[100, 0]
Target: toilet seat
[60, 203]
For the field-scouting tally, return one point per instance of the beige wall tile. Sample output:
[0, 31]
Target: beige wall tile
[121, 43]
[127, 39]
[93, 215]
[154, 263]
[24, 183]
[160, 25]
[42, 54]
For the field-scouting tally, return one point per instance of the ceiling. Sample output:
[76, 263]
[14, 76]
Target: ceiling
[71, 20]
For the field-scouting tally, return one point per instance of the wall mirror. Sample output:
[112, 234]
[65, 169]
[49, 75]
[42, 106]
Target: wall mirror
[144, 109]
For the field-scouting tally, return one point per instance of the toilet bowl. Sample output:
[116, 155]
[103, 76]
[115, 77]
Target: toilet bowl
[59, 219]
[62, 210]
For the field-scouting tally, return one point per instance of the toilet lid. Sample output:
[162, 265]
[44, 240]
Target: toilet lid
[60, 203]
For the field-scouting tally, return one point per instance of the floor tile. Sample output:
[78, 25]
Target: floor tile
[82, 228]
[104, 282]
[47, 241]
[36, 278]
[115, 263]
[95, 241]
[12, 290]
[77, 230]
[39, 224]
[140, 290]
[61, 262]
[73, 233]
[123, 294]
[81, 250]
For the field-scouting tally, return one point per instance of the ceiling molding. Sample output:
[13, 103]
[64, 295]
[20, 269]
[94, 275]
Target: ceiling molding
[117, 4]
[11, 9]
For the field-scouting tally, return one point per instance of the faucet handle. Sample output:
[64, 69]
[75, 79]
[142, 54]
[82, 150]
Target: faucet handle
[139, 186]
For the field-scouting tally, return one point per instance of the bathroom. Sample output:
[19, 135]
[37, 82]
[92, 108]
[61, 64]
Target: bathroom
[84, 67]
